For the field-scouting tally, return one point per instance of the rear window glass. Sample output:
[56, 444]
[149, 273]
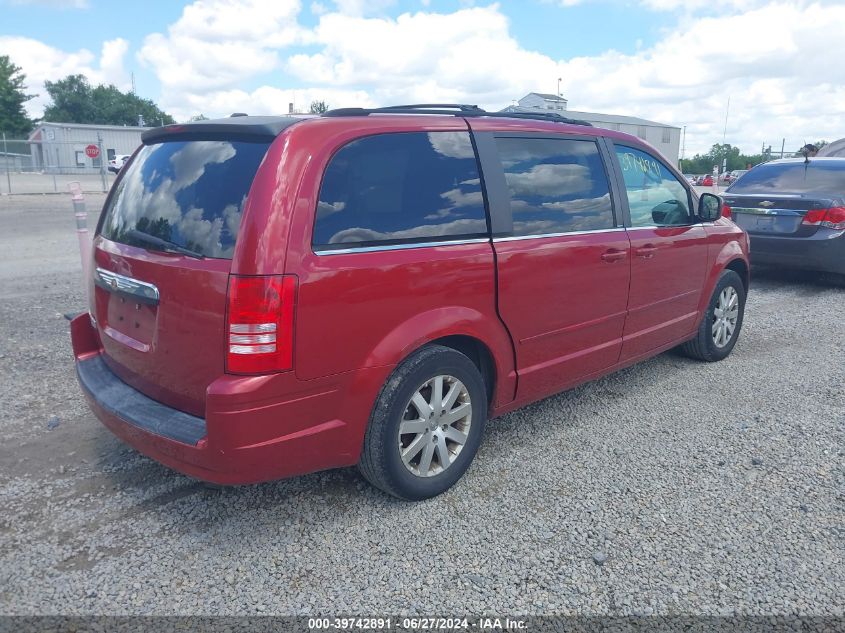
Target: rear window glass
[556, 185]
[400, 188]
[188, 194]
[799, 177]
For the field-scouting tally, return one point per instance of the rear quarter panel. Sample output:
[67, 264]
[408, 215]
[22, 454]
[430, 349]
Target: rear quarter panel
[371, 309]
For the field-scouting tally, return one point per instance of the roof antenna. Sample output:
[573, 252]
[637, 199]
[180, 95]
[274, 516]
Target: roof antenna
[809, 150]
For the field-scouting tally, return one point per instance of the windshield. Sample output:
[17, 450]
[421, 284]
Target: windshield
[798, 177]
[184, 196]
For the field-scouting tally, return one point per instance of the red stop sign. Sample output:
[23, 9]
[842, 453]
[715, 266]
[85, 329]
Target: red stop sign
[92, 151]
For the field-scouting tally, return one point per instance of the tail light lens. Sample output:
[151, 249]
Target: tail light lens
[259, 324]
[726, 211]
[814, 217]
[833, 218]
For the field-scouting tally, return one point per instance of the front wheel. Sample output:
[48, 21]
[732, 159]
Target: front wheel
[722, 320]
[426, 425]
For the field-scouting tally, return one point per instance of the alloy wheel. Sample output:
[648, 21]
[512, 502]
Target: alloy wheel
[725, 316]
[435, 426]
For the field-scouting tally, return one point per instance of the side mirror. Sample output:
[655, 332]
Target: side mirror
[709, 207]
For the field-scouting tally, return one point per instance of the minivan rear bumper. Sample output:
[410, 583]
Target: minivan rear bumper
[245, 437]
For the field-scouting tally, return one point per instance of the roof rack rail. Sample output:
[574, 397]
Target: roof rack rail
[453, 109]
[458, 109]
[543, 116]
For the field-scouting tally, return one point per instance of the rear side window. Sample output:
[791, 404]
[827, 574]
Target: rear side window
[817, 176]
[556, 185]
[400, 188]
[185, 195]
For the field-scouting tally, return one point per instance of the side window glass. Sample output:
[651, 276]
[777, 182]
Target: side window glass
[400, 188]
[556, 185]
[655, 196]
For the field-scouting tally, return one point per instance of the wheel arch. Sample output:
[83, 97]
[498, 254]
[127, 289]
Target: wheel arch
[740, 267]
[465, 330]
[729, 257]
[480, 355]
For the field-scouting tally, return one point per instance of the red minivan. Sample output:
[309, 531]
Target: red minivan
[275, 296]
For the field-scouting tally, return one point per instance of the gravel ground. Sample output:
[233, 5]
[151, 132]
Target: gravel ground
[672, 487]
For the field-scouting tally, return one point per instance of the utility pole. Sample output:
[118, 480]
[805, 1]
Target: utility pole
[684, 144]
[782, 146]
[727, 110]
[559, 79]
[102, 159]
[6, 160]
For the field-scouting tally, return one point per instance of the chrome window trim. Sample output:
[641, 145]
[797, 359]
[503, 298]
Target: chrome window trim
[121, 284]
[399, 247]
[513, 238]
[651, 227]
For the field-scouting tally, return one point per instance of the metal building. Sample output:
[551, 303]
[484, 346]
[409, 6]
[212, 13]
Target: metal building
[77, 148]
[665, 138]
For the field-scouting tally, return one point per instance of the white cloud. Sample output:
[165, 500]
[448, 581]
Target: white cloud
[41, 63]
[467, 55]
[217, 44]
[263, 100]
[779, 61]
[780, 67]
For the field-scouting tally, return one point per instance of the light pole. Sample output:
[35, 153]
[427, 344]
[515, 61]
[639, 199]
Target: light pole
[559, 79]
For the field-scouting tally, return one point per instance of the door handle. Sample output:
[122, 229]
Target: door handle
[647, 251]
[613, 255]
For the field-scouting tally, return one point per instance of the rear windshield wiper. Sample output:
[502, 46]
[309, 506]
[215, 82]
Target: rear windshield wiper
[162, 244]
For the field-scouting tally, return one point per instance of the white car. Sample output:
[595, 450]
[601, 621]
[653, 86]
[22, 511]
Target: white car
[116, 163]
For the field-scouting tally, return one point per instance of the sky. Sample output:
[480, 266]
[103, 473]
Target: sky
[744, 72]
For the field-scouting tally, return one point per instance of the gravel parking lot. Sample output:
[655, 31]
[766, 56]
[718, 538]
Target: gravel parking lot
[673, 487]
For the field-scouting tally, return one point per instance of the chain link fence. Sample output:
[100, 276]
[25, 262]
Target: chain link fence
[33, 167]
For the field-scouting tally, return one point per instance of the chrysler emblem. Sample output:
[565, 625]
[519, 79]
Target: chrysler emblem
[766, 203]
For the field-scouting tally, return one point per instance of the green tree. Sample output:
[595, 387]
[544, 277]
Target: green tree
[13, 119]
[318, 107]
[198, 117]
[725, 152]
[74, 100]
[703, 163]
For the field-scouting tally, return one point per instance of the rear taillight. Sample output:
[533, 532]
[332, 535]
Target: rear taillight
[259, 324]
[726, 211]
[833, 218]
[814, 217]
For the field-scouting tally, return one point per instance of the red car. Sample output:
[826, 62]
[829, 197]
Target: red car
[274, 296]
[706, 181]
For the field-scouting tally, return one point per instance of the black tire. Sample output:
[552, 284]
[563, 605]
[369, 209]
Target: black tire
[381, 462]
[703, 347]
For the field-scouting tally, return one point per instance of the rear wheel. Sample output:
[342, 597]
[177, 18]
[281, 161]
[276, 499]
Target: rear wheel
[426, 425]
[722, 321]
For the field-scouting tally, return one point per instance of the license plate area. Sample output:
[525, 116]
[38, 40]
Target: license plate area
[765, 224]
[127, 308]
[132, 319]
